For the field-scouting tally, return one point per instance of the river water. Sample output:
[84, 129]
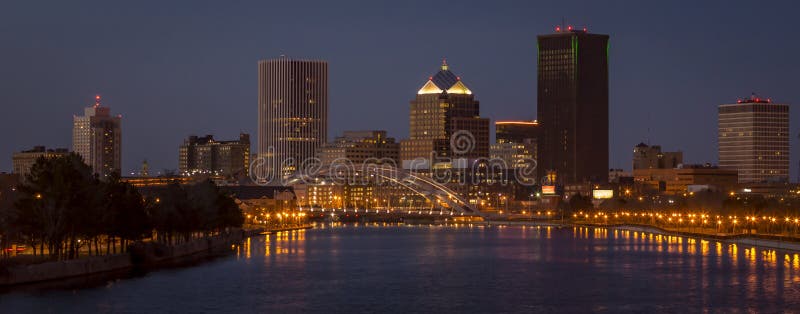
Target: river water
[451, 269]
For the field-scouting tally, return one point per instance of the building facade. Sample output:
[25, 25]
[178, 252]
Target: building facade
[754, 139]
[292, 115]
[516, 143]
[24, 160]
[97, 138]
[516, 131]
[357, 147]
[651, 157]
[679, 180]
[619, 176]
[206, 156]
[515, 155]
[572, 105]
[445, 122]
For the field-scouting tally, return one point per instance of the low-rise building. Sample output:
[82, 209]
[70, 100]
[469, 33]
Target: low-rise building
[619, 176]
[651, 157]
[515, 155]
[148, 182]
[516, 131]
[357, 147]
[677, 180]
[24, 160]
[204, 155]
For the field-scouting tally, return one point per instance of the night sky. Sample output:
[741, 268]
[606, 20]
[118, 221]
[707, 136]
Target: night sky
[175, 68]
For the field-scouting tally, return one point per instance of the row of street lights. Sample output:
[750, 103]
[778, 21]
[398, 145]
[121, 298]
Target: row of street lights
[769, 224]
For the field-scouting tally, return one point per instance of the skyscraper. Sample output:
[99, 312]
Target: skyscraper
[754, 139]
[292, 114]
[444, 110]
[572, 105]
[97, 137]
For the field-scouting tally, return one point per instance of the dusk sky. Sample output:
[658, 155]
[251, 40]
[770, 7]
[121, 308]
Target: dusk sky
[177, 68]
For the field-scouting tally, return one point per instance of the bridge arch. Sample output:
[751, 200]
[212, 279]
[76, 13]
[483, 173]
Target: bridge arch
[420, 184]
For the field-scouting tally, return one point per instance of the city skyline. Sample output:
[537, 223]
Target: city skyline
[399, 157]
[635, 107]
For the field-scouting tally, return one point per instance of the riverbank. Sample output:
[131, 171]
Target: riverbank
[755, 240]
[143, 256]
[276, 230]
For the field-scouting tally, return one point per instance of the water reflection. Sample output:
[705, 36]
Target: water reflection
[464, 268]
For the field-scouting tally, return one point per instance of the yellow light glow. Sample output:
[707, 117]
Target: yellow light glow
[534, 122]
[459, 88]
[429, 88]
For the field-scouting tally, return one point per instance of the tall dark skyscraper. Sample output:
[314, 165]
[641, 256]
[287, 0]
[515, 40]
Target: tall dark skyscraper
[292, 114]
[572, 105]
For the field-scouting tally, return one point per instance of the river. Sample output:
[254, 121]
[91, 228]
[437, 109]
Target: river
[451, 269]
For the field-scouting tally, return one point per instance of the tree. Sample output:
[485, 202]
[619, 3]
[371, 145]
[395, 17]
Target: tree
[54, 202]
[126, 213]
[64, 207]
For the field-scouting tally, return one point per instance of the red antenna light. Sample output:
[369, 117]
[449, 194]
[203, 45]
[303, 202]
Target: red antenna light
[569, 28]
[558, 28]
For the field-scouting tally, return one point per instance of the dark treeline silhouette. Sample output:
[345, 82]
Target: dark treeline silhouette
[64, 210]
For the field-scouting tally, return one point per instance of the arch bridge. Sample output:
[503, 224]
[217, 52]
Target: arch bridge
[420, 184]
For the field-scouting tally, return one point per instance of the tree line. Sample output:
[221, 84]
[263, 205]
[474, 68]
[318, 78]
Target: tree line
[63, 210]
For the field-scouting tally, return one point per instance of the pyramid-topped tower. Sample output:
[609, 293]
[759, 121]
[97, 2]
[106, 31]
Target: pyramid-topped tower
[443, 106]
[444, 81]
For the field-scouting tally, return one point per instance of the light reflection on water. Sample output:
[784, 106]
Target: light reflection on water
[455, 269]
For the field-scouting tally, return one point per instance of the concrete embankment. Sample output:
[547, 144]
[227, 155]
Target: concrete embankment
[23, 274]
[276, 230]
[154, 254]
[141, 256]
